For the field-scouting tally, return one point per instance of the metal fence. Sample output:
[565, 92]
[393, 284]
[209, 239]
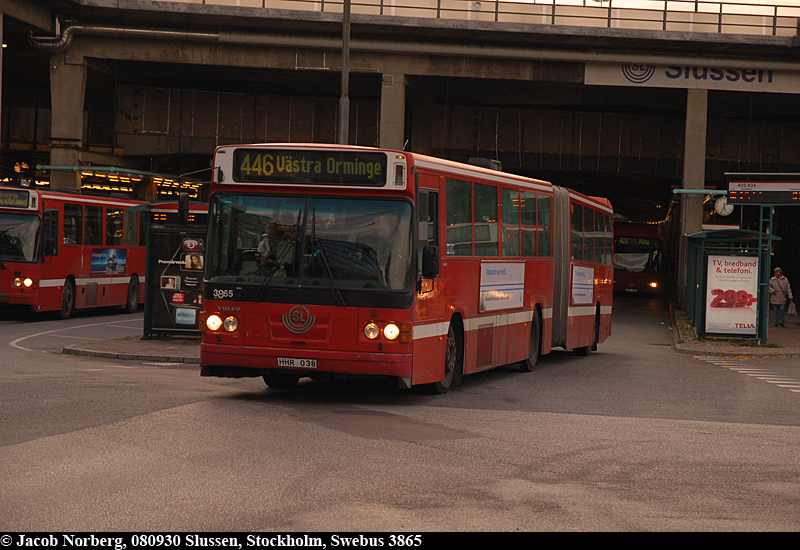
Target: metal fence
[729, 17]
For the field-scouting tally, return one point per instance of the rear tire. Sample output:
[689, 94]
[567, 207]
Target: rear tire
[67, 300]
[534, 345]
[133, 295]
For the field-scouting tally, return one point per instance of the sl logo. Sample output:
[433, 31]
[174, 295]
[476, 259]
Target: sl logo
[298, 320]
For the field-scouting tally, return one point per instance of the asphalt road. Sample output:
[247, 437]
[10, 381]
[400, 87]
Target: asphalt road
[634, 437]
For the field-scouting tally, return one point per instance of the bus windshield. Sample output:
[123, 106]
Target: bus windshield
[348, 243]
[19, 237]
[637, 254]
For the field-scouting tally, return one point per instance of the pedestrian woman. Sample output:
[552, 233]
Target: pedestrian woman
[780, 295]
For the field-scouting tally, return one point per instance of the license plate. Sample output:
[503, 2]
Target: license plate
[294, 363]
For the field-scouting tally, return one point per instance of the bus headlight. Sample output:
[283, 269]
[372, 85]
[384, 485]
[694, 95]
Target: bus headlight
[230, 323]
[654, 284]
[372, 330]
[27, 282]
[214, 322]
[391, 331]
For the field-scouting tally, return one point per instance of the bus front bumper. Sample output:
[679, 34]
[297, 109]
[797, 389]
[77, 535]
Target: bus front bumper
[248, 361]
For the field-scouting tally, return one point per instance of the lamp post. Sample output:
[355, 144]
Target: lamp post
[344, 101]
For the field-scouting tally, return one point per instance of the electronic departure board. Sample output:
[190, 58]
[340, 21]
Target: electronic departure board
[763, 192]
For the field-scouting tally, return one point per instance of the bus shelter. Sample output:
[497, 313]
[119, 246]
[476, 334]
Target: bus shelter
[727, 292]
[174, 267]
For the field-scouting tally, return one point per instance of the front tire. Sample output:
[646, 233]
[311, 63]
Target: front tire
[451, 364]
[67, 300]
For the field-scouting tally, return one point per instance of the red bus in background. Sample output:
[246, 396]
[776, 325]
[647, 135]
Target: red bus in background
[336, 261]
[639, 260]
[62, 251]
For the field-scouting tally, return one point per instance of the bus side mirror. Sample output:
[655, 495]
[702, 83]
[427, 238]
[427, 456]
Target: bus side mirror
[430, 261]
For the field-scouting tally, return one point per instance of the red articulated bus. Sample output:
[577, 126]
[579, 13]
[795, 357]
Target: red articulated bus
[339, 261]
[63, 251]
[639, 261]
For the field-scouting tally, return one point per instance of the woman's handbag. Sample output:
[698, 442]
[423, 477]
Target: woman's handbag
[791, 309]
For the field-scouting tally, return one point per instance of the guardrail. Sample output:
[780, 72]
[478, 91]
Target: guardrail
[728, 17]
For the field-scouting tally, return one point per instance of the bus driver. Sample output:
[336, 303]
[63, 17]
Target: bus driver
[276, 248]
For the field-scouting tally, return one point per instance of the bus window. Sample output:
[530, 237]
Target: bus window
[73, 224]
[131, 220]
[528, 217]
[577, 232]
[94, 226]
[510, 205]
[428, 215]
[543, 220]
[50, 220]
[485, 220]
[459, 218]
[113, 227]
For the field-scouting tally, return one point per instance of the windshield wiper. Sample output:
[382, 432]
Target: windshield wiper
[337, 296]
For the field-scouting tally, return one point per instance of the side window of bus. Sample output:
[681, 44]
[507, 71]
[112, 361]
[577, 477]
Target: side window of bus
[73, 224]
[543, 218]
[428, 216]
[50, 232]
[459, 217]
[113, 227]
[529, 230]
[131, 220]
[609, 239]
[589, 244]
[577, 232]
[485, 220]
[510, 207]
[94, 226]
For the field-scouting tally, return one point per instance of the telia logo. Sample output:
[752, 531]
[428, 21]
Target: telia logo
[298, 320]
[638, 74]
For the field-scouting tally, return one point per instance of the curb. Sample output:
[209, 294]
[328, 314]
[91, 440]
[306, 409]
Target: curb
[130, 357]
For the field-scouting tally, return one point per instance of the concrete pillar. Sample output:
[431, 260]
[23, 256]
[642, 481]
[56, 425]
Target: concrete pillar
[694, 177]
[393, 111]
[68, 91]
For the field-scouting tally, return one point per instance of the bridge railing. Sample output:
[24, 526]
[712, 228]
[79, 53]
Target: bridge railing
[728, 17]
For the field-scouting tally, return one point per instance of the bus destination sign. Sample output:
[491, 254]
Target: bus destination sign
[763, 192]
[314, 167]
[15, 198]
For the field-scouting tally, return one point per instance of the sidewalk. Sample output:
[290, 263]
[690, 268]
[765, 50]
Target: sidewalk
[183, 349]
[781, 341]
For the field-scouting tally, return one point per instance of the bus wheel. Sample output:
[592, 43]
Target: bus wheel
[67, 300]
[281, 381]
[535, 343]
[133, 295]
[450, 364]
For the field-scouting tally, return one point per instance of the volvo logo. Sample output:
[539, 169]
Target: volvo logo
[638, 74]
[298, 320]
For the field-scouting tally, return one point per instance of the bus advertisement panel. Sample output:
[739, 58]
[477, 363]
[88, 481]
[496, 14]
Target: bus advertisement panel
[337, 261]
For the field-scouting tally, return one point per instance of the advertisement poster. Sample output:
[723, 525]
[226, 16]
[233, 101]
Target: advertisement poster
[108, 261]
[175, 277]
[502, 285]
[731, 290]
[582, 284]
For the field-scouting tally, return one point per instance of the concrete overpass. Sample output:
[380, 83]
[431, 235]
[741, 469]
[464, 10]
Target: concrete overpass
[625, 99]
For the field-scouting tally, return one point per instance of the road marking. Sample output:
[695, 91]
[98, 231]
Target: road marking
[760, 373]
[15, 343]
